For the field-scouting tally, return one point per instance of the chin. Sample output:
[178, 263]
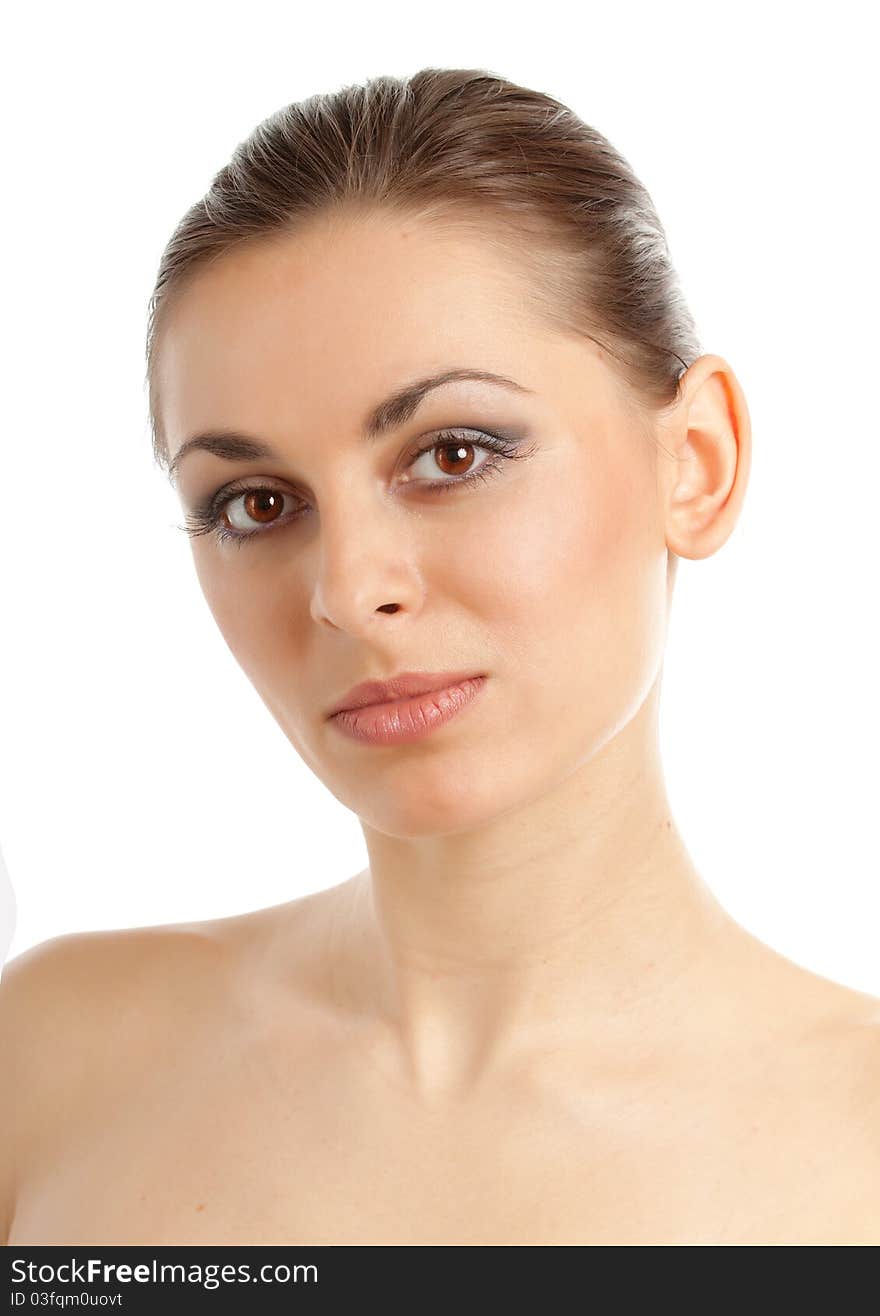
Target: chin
[427, 806]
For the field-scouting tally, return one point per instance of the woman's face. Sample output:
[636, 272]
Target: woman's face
[549, 574]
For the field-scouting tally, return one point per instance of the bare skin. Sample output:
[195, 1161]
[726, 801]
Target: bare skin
[528, 1020]
[216, 1084]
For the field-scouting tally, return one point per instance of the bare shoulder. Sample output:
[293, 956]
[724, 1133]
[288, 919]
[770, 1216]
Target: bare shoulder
[850, 1035]
[857, 1134]
[70, 1008]
[80, 979]
[836, 1072]
[112, 983]
[79, 1003]
[835, 1029]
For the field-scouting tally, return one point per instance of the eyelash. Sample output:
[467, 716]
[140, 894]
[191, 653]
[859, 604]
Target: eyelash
[206, 518]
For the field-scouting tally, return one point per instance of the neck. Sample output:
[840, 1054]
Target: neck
[579, 915]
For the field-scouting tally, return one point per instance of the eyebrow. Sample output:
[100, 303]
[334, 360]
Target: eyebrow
[395, 410]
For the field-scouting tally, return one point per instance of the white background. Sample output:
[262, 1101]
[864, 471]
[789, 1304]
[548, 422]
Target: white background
[142, 780]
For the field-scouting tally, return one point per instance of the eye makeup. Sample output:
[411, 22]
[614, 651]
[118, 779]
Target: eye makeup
[208, 515]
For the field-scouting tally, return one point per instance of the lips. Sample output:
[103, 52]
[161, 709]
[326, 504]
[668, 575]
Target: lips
[403, 686]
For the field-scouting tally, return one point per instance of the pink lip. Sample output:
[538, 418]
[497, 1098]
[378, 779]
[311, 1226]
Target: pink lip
[401, 721]
[402, 686]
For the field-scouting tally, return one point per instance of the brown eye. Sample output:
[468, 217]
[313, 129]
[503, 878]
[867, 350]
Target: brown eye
[261, 503]
[260, 506]
[453, 458]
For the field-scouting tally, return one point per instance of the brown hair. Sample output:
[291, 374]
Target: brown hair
[458, 146]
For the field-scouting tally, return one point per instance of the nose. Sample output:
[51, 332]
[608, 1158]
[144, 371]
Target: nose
[366, 565]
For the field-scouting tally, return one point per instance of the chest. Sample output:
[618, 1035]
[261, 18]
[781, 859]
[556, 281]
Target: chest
[228, 1150]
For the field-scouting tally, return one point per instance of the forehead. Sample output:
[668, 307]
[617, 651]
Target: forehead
[315, 326]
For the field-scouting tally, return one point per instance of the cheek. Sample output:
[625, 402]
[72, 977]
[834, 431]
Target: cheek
[256, 621]
[570, 580]
[541, 564]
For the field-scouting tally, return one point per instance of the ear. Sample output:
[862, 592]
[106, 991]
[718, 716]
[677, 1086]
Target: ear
[705, 459]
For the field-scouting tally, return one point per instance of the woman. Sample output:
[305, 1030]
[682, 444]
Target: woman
[423, 377]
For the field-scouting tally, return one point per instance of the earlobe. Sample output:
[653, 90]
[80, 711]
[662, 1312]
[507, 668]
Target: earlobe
[704, 483]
